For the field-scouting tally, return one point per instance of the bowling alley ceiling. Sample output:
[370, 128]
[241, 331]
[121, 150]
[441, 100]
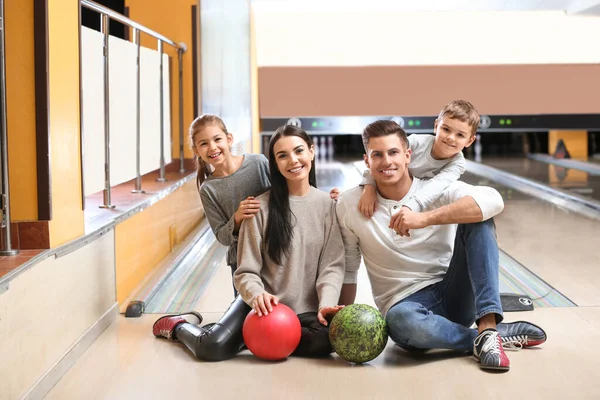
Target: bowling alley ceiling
[571, 7]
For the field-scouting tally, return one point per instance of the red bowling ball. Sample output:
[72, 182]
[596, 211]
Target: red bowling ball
[274, 336]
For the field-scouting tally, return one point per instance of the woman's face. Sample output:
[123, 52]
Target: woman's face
[293, 157]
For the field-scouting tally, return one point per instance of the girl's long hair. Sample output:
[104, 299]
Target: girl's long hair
[279, 222]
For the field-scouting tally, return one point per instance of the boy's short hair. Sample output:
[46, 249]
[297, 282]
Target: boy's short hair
[463, 111]
[383, 127]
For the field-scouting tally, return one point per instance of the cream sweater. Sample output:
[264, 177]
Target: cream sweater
[311, 276]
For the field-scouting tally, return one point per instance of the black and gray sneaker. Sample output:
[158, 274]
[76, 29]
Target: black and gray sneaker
[488, 351]
[520, 334]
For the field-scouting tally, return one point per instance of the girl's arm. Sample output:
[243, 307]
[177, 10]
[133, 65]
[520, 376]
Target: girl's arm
[222, 226]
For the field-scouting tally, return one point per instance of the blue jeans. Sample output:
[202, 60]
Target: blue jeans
[439, 316]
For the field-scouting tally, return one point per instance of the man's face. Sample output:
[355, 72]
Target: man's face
[388, 160]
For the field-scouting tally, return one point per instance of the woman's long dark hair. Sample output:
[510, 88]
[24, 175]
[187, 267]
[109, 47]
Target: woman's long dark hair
[279, 222]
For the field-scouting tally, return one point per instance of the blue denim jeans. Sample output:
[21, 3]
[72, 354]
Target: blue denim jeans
[439, 316]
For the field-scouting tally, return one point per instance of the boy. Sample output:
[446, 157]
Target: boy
[436, 157]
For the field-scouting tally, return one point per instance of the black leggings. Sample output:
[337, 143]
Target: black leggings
[314, 341]
[233, 268]
[224, 340]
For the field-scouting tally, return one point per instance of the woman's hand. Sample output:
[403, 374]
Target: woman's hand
[326, 312]
[263, 303]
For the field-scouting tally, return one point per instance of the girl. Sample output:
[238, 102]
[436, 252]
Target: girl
[291, 251]
[228, 184]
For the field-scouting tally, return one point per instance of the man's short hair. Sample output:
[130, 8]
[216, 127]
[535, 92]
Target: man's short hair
[383, 127]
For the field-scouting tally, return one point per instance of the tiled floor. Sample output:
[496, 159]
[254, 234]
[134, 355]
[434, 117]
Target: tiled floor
[124, 200]
[9, 263]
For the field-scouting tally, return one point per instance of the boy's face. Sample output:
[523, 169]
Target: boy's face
[452, 136]
[387, 159]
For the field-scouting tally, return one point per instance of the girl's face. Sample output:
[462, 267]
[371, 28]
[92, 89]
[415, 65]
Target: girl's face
[293, 157]
[212, 145]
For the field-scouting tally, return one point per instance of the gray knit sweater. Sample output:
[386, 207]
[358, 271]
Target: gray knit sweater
[221, 197]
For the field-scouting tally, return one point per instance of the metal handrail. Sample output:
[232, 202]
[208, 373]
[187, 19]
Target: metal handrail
[106, 14]
[7, 249]
[131, 23]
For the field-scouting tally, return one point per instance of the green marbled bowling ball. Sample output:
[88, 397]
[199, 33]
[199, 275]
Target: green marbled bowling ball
[358, 333]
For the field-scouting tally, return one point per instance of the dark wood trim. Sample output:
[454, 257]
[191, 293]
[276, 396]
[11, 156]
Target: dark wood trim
[169, 103]
[126, 29]
[81, 142]
[195, 111]
[44, 178]
[33, 235]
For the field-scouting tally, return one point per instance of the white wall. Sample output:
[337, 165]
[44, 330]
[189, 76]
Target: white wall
[122, 99]
[48, 307]
[225, 58]
[393, 37]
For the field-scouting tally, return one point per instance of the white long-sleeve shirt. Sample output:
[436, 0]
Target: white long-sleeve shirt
[400, 266]
[440, 173]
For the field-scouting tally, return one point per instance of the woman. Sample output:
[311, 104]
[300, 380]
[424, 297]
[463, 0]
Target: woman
[290, 252]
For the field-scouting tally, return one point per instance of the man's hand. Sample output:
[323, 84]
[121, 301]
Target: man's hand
[407, 219]
[326, 312]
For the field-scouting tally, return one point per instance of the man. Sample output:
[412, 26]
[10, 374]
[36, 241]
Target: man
[433, 273]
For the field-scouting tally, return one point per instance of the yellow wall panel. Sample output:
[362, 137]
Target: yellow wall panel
[143, 240]
[173, 20]
[575, 141]
[65, 170]
[20, 91]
